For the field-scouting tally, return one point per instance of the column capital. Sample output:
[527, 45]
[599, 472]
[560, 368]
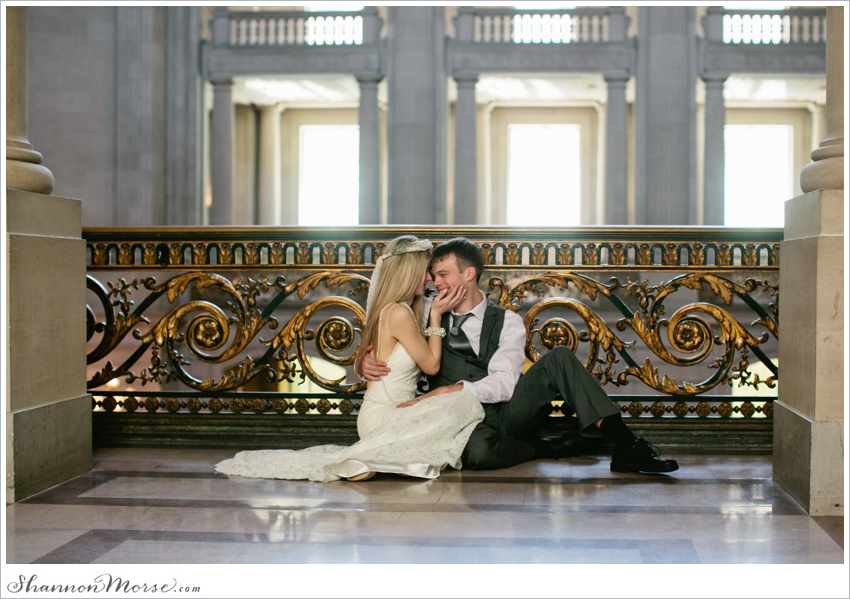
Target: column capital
[221, 81]
[466, 79]
[714, 79]
[369, 79]
[616, 79]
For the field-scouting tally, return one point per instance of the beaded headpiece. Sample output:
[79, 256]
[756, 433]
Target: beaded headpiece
[402, 247]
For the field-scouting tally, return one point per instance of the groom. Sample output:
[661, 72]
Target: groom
[484, 354]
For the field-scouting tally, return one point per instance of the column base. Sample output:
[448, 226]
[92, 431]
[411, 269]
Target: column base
[47, 445]
[27, 176]
[48, 412]
[827, 173]
[808, 460]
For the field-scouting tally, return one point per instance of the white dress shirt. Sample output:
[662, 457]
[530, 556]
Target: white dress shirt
[507, 363]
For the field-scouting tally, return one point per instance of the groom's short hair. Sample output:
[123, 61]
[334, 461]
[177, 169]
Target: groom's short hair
[467, 253]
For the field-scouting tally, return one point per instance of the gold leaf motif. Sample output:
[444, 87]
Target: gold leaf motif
[199, 253]
[750, 255]
[565, 255]
[225, 255]
[680, 409]
[670, 257]
[617, 255]
[644, 255]
[512, 255]
[774, 254]
[355, 254]
[379, 249]
[538, 254]
[635, 409]
[302, 254]
[125, 254]
[276, 254]
[591, 255]
[724, 255]
[251, 255]
[149, 254]
[697, 255]
[487, 253]
[99, 254]
[328, 254]
[175, 256]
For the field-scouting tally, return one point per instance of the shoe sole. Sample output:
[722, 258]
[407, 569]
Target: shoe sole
[623, 468]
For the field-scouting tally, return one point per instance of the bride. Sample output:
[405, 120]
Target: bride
[398, 433]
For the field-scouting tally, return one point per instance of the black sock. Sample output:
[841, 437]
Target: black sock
[615, 429]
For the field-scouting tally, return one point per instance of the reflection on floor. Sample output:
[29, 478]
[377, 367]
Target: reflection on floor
[168, 506]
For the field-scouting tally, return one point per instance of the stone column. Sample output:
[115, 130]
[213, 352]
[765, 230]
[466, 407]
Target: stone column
[269, 192]
[466, 159]
[808, 429]
[416, 115]
[221, 153]
[48, 412]
[616, 153]
[665, 116]
[370, 153]
[715, 153]
[24, 170]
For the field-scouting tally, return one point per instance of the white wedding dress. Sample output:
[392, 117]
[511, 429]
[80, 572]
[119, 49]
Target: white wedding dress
[419, 440]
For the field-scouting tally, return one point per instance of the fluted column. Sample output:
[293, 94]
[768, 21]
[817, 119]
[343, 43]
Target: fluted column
[808, 428]
[715, 157]
[466, 159]
[221, 153]
[370, 153]
[616, 153]
[827, 169]
[268, 191]
[24, 170]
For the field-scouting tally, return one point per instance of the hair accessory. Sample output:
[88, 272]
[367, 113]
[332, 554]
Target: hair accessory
[438, 331]
[402, 247]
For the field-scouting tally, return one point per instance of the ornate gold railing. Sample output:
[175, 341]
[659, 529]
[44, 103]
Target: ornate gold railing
[232, 320]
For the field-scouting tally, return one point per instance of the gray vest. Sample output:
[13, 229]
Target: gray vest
[455, 366]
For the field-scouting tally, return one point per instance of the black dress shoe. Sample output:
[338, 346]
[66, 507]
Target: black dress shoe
[560, 447]
[641, 456]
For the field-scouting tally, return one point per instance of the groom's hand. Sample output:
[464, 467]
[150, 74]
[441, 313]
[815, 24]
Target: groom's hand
[373, 370]
[437, 391]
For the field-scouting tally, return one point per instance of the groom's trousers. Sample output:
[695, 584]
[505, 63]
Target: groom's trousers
[500, 441]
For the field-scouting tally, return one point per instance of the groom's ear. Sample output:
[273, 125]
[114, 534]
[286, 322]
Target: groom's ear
[469, 274]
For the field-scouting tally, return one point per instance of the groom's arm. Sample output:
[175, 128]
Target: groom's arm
[506, 365]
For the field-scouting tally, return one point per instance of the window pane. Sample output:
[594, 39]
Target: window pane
[758, 183]
[328, 175]
[544, 181]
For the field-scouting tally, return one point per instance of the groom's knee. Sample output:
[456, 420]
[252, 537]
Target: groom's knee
[481, 448]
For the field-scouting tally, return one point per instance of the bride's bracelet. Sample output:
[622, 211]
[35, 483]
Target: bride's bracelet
[438, 331]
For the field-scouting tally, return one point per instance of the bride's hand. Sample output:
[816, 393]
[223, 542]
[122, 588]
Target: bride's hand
[437, 391]
[447, 300]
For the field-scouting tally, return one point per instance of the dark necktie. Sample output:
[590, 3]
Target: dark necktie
[458, 340]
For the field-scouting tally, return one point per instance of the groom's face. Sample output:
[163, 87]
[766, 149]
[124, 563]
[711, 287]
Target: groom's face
[447, 274]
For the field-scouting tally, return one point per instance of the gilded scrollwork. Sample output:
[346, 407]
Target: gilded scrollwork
[686, 339]
[221, 331]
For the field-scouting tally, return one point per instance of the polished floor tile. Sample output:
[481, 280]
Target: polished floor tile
[169, 506]
[172, 552]
[26, 546]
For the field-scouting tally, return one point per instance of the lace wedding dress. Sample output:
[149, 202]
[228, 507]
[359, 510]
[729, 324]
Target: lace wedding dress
[419, 440]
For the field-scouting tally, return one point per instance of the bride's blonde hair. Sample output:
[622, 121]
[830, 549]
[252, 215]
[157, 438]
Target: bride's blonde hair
[401, 272]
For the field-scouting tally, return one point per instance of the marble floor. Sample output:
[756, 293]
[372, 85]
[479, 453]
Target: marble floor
[167, 506]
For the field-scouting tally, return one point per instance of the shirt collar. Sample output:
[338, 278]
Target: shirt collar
[478, 310]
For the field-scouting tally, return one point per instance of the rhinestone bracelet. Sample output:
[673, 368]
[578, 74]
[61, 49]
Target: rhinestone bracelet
[438, 331]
